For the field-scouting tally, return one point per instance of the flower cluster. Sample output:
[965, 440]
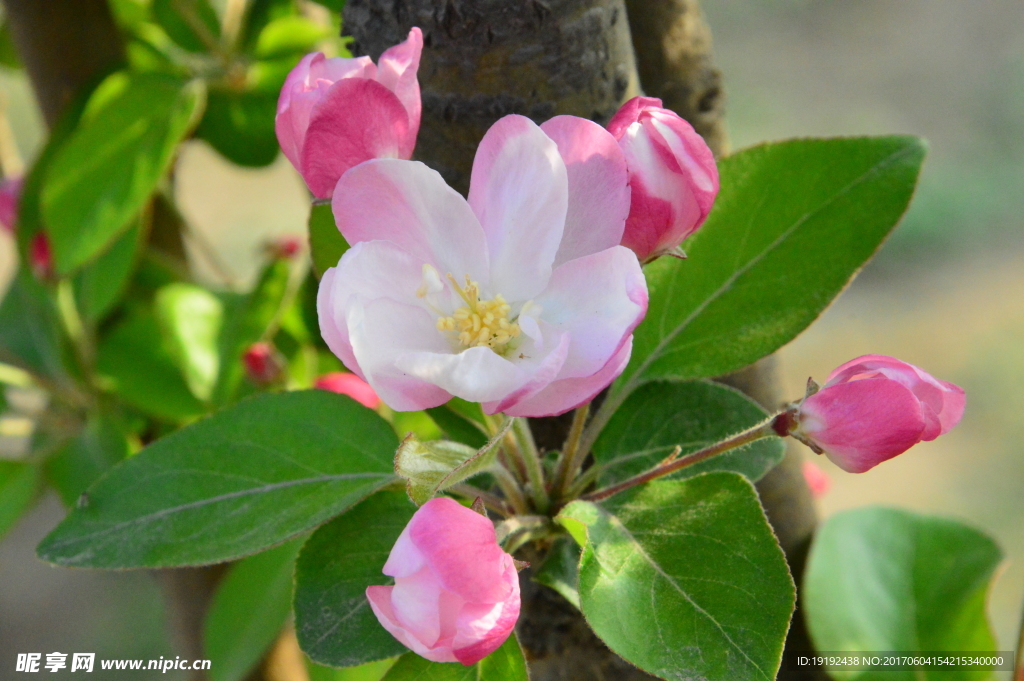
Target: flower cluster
[523, 297]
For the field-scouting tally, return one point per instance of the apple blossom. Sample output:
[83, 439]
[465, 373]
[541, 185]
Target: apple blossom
[519, 298]
[873, 408]
[335, 113]
[351, 385]
[456, 593]
[672, 176]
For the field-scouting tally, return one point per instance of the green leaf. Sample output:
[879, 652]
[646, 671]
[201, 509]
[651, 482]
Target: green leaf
[325, 241]
[85, 458]
[192, 24]
[248, 477]
[372, 671]
[100, 284]
[8, 53]
[104, 174]
[19, 483]
[561, 571]
[191, 318]
[289, 34]
[136, 366]
[248, 611]
[333, 5]
[793, 223]
[30, 334]
[892, 580]
[432, 467]
[333, 620]
[240, 125]
[457, 427]
[258, 14]
[504, 664]
[693, 415]
[684, 578]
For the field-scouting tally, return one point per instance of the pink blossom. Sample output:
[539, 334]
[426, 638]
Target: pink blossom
[456, 593]
[672, 175]
[519, 298]
[817, 479]
[875, 407]
[336, 113]
[10, 194]
[351, 385]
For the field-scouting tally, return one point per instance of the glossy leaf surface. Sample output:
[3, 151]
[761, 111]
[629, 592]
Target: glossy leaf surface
[684, 578]
[248, 477]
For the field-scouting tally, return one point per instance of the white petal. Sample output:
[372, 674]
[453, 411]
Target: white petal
[519, 191]
[381, 332]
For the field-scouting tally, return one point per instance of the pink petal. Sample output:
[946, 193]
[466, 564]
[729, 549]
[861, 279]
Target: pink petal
[817, 480]
[541, 373]
[337, 68]
[351, 385]
[397, 71]
[569, 393]
[519, 192]
[482, 628]
[410, 205]
[461, 547]
[380, 602]
[598, 300]
[629, 113]
[863, 423]
[357, 120]
[405, 559]
[598, 186]
[415, 602]
[331, 313]
[475, 374]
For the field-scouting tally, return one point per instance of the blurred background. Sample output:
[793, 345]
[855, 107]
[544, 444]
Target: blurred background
[945, 293]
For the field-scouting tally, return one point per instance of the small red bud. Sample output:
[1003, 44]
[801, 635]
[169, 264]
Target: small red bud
[262, 363]
[285, 248]
[41, 257]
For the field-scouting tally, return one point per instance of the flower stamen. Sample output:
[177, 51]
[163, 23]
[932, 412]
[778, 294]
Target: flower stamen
[480, 323]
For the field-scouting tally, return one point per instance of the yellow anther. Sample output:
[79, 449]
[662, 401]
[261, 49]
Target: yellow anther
[480, 323]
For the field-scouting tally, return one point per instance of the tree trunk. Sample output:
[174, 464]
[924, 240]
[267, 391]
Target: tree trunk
[484, 59]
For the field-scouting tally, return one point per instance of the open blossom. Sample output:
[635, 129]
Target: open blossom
[672, 175]
[351, 385]
[875, 407]
[519, 298]
[335, 113]
[456, 593]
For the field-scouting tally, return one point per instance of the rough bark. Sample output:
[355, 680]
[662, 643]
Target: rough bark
[484, 59]
[673, 53]
[65, 45]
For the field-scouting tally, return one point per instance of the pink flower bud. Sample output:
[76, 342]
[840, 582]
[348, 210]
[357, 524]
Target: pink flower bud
[672, 176]
[10, 193]
[817, 479]
[41, 257]
[336, 113]
[456, 593]
[351, 385]
[873, 408]
[262, 363]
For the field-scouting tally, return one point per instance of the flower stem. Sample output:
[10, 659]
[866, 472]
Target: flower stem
[492, 502]
[570, 462]
[672, 464]
[510, 488]
[531, 459]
